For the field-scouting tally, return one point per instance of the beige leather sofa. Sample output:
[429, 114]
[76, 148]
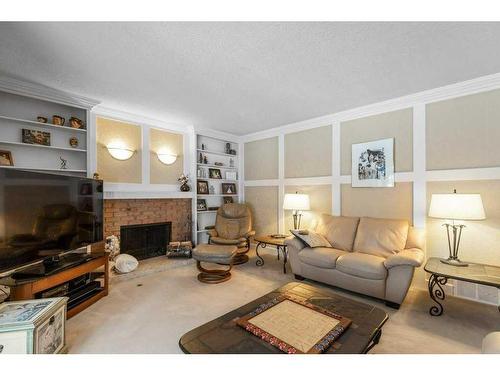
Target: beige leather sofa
[375, 257]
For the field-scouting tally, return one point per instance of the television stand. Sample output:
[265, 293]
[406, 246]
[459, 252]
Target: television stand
[24, 289]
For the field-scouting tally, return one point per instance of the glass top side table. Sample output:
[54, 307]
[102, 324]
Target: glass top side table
[440, 273]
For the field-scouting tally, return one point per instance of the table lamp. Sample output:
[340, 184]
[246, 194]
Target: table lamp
[297, 203]
[456, 207]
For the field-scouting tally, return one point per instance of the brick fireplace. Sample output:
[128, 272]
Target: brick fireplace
[121, 212]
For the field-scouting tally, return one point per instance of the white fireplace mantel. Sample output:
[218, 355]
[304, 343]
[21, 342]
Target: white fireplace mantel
[143, 191]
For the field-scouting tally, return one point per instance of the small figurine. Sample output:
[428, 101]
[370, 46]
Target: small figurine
[64, 163]
[201, 158]
[231, 162]
[203, 146]
[212, 189]
[96, 176]
[205, 160]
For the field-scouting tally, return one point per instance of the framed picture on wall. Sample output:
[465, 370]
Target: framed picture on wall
[373, 163]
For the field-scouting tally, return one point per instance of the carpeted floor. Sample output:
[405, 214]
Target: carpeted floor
[149, 313]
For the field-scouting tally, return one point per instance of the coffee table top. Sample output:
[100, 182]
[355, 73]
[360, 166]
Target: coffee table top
[223, 336]
[271, 240]
[474, 272]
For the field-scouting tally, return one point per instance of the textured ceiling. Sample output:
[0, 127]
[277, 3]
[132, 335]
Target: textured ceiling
[245, 77]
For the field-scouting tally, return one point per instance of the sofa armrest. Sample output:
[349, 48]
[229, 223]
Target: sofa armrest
[294, 244]
[212, 233]
[249, 234]
[293, 247]
[407, 257]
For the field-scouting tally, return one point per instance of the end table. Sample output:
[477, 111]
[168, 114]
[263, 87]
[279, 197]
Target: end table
[263, 241]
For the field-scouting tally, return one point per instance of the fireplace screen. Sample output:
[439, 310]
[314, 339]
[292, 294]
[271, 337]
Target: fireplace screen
[145, 240]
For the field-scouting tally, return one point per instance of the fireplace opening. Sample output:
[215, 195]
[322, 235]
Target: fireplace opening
[145, 240]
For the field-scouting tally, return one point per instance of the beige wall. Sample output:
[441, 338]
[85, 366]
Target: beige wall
[464, 132]
[261, 159]
[389, 203]
[110, 169]
[320, 197]
[397, 125]
[263, 202]
[309, 153]
[173, 143]
[480, 240]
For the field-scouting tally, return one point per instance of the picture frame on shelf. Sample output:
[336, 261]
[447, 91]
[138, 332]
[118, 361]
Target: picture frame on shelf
[229, 188]
[227, 200]
[201, 205]
[214, 173]
[231, 175]
[202, 187]
[35, 137]
[6, 158]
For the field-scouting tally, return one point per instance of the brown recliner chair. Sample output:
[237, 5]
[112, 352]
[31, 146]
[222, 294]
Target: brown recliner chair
[233, 226]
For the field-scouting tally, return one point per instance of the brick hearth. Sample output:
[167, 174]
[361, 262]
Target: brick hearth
[119, 212]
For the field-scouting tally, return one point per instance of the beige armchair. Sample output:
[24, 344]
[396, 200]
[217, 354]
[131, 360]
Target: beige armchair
[233, 226]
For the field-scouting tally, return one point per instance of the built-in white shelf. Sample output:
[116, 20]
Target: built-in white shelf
[203, 231]
[207, 212]
[215, 166]
[216, 179]
[42, 146]
[44, 169]
[217, 153]
[217, 195]
[42, 124]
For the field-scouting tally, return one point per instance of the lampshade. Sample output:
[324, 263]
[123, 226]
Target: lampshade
[457, 207]
[299, 202]
[166, 157]
[118, 150]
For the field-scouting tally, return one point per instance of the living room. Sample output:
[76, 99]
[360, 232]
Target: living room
[250, 188]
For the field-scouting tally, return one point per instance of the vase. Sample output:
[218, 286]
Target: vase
[185, 187]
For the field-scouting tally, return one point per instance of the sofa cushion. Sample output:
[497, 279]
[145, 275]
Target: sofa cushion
[362, 265]
[338, 230]
[311, 238]
[381, 237]
[322, 257]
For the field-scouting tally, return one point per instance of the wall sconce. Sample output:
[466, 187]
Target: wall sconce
[166, 157]
[119, 151]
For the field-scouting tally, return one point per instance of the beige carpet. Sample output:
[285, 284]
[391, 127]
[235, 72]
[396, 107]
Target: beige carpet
[149, 313]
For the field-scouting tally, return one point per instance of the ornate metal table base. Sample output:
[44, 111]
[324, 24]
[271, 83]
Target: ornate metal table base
[260, 261]
[436, 292]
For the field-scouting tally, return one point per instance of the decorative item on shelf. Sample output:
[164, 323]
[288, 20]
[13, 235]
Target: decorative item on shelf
[213, 208]
[42, 119]
[201, 205]
[6, 158]
[212, 190]
[228, 188]
[214, 173]
[199, 172]
[456, 207]
[233, 152]
[166, 157]
[64, 163]
[35, 137]
[76, 123]
[200, 159]
[96, 176]
[119, 151]
[58, 120]
[231, 162]
[297, 203]
[231, 175]
[228, 148]
[202, 187]
[179, 249]
[227, 200]
[205, 160]
[203, 146]
[73, 142]
[373, 164]
[219, 164]
[184, 179]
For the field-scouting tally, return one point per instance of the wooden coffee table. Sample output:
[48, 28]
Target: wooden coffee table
[263, 241]
[223, 336]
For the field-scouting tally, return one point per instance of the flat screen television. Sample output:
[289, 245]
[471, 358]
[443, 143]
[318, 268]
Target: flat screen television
[44, 215]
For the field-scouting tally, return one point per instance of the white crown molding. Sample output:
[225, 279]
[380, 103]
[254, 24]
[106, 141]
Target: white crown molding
[218, 135]
[473, 86]
[37, 91]
[138, 119]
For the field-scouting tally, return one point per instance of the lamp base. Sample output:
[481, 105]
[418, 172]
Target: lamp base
[454, 262]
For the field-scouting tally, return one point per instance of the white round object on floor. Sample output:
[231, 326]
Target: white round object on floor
[125, 263]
